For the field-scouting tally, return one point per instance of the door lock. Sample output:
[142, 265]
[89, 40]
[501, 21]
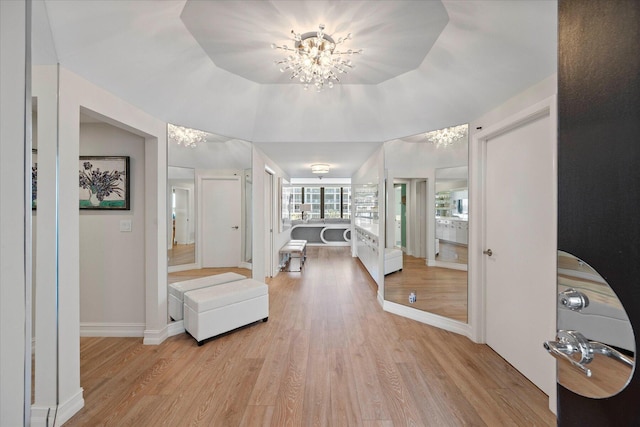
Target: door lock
[573, 300]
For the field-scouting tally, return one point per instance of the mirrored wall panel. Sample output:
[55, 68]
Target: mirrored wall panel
[427, 222]
[209, 194]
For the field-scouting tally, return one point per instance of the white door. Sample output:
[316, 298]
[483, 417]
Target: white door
[181, 211]
[221, 231]
[520, 221]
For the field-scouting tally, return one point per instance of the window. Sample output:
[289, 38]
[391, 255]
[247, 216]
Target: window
[332, 203]
[312, 196]
[326, 202]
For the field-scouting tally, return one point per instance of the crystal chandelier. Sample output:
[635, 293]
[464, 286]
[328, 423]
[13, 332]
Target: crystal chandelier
[314, 58]
[186, 136]
[447, 136]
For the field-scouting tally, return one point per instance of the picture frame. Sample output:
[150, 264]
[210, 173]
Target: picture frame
[104, 183]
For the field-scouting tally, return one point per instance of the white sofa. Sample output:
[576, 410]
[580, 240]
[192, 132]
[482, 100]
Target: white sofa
[218, 309]
[178, 289]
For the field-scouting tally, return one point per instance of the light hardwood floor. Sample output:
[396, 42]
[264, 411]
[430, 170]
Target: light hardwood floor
[441, 291]
[181, 254]
[328, 356]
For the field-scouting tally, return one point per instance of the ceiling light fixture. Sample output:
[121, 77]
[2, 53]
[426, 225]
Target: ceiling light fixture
[447, 136]
[320, 168]
[185, 136]
[314, 60]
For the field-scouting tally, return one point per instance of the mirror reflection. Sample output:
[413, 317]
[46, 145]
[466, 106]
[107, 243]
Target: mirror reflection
[595, 345]
[209, 194]
[427, 218]
[182, 235]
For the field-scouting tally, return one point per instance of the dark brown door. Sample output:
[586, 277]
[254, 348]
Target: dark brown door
[599, 170]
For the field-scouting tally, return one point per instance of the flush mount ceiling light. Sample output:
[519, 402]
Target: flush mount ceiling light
[320, 168]
[185, 136]
[448, 136]
[314, 58]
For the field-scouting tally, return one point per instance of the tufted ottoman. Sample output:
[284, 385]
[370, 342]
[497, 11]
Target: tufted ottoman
[218, 309]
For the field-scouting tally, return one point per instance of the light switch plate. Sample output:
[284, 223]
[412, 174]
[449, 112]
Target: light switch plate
[125, 225]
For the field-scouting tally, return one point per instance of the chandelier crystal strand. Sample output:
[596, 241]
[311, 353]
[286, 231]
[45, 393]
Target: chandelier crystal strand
[186, 136]
[314, 59]
[447, 136]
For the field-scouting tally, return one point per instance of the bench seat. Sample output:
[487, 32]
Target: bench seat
[295, 252]
[178, 289]
[392, 260]
[212, 311]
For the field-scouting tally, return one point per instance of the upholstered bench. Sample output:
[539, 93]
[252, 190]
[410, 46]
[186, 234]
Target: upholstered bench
[218, 309]
[392, 260]
[178, 289]
[295, 251]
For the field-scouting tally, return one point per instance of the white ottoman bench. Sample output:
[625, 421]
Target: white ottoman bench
[392, 260]
[177, 290]
[218, 309]
[296, 253]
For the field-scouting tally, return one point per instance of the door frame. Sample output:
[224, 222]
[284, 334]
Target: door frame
[269, 205]
[477, 205]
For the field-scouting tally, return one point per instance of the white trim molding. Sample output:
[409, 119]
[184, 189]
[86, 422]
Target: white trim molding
[428, 318]
[95, 329]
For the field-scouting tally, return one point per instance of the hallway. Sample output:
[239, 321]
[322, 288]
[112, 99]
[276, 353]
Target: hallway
[328, 356]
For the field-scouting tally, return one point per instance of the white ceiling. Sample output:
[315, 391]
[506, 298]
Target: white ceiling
[209, 65]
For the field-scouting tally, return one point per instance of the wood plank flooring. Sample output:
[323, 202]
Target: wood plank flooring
[181, 254]
[328, 356]
[441, 291]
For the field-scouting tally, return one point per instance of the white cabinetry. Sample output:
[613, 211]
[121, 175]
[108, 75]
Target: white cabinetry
[367, 250]
[452, 230]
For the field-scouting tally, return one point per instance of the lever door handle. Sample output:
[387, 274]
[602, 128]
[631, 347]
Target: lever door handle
[573, 342]
[488, 252]
[235, 227]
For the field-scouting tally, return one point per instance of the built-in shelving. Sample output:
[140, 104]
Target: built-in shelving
[365, 201]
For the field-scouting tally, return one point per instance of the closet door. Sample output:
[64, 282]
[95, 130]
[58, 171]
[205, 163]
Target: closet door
[599, 171]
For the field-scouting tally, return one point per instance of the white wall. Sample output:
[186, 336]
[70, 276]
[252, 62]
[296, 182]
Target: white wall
[13, 334]
[112, 263]
[260, 162]
[76, 95]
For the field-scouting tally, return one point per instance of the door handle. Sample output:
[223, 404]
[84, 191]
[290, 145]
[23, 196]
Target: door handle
[235, 227]
[488, 252]
[572, 342]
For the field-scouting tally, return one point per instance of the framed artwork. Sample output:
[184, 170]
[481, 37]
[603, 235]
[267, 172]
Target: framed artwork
[104, 182]
[34, 179]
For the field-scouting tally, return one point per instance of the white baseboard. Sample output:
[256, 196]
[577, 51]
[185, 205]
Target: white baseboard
[449, 265]
[428, 318]
[155, 337]
[246, 265]
[39, 416]
[175, 328]
[380, 300]
[44, 416]
[69, 408]
[183, 267]
[91, 329]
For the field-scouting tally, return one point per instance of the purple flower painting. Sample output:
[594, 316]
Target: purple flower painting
[104, 182]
